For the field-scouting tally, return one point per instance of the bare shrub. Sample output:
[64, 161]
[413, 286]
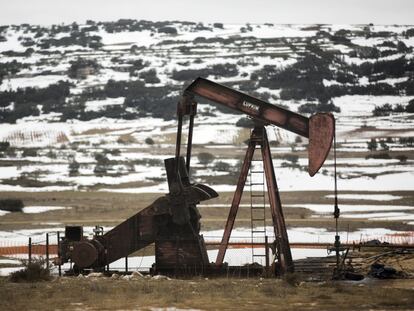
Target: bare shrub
[205, 158]
[11, 205]
[292, 279]
[34, 271]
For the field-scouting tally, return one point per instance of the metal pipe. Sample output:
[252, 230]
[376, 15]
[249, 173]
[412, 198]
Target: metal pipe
[59, 255]
[178, 142]
[267, 256]
[47, 250]
[189, 143]
[30, 251]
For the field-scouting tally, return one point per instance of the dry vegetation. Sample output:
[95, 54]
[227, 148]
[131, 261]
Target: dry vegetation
[203, 294]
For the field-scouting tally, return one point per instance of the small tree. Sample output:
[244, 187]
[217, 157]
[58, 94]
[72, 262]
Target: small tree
[381, 111]
[149, 141]
[115, 152]
[205, 158]
[372, 144]
[222, 166]
[410, 107]
[102, 164]
[402, 158]
[384, 145]
[51, 154]
[292, 158]
[11, 205]
[73, 167]
[4, 145]
[29, 152]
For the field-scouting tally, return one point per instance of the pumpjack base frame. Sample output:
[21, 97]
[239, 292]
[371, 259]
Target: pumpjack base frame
[214, 271]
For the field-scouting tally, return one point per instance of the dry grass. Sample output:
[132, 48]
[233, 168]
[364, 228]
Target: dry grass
[98, 131]
[214, 294]
[242, 136]
[127, 139]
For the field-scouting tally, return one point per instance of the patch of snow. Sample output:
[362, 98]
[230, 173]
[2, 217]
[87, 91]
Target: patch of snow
[365, 197]
[380, 216]
[8, 271]
[96, 105]
[35, 189]
[10, 261]
[2, 213]
[42, 209]
[41, 81]
[127, 38]
[328, 208]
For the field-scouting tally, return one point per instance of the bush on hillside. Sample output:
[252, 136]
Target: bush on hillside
[11, 205]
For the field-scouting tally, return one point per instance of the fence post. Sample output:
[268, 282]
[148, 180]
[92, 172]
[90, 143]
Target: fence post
[58, 253]
[30, 251]
[267, 255]
[126, 263]
[47, 250]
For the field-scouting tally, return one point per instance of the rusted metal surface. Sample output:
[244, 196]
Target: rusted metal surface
[319, 128]
[259, 137]
[172, 222]
[284, 254]
[236, 202]
[251, 106]
[171, 217]
[321, 133]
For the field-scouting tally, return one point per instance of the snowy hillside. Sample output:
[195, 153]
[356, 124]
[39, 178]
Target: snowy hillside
[92, 106]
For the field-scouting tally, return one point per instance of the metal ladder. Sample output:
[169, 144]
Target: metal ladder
[257, 207]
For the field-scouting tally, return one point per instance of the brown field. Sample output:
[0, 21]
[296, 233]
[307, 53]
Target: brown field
[206, 294]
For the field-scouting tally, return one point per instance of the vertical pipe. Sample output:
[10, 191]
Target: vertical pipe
[267, 255]
[126, 263]
[47, 250]
[58, 253]
[189, 143]
[337, 243]
[30, 251]
[177, 256]
[178, 141]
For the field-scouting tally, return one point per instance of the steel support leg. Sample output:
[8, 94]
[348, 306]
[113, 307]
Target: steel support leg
[282, 242]
[236, 202]
[189, 143]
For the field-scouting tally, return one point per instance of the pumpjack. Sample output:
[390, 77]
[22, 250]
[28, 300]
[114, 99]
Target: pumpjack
[172, 222]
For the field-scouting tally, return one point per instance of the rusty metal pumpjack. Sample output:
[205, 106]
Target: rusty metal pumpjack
[319, 128]
[172, 222]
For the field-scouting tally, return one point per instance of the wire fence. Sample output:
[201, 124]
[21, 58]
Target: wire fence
[34, 246]
[401, 238]
[239, 252]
